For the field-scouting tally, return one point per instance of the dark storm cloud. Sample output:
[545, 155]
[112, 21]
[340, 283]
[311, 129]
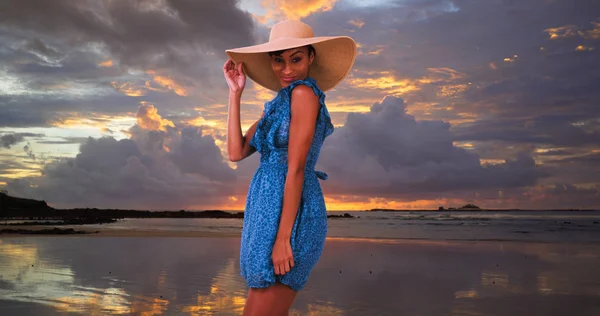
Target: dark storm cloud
[389, 153]
[468, 36]
[13, 116]
[51, 52]
[554, 130]
[10, 139]
[42, 110]
[140, 33]
[7, 140]
[542, 96]
[193, 156]
[137, 172]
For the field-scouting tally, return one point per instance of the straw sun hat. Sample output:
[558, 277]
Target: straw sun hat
[334, 55]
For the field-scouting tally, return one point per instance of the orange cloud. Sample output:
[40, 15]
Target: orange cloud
[129, 89]
[594, 32]
[511, 59]
[108, 63]
[386, 82]
[572, 30]
[451, 90]
[148, 118]
[582, 48]
[293, 9]
[87, 120]
[166, 82]
[199, 120]
[562, 31]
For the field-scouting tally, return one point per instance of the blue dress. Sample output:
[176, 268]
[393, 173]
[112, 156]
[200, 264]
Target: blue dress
[264, 201]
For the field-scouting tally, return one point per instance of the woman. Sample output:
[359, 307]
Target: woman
[285, 220]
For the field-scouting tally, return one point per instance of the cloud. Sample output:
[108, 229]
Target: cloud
[10, 139]
[77, 54]
[388, 153]
[7, 140]
[136, 33]
[155, 169]
[495, 100]
[149, 119]
[293, 9]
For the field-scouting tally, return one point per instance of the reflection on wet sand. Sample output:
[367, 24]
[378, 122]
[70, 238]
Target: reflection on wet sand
[200, 276]
[225, 294]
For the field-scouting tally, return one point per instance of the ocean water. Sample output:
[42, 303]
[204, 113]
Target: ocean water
[536, 226]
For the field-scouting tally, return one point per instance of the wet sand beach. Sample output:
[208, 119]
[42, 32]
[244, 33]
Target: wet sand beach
[199, 275]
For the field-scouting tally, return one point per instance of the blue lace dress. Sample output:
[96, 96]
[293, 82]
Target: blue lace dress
[264, 201]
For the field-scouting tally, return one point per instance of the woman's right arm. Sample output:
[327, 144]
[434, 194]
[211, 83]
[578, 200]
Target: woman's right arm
[238, 146]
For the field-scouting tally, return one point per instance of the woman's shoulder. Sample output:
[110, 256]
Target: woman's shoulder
[308, 81]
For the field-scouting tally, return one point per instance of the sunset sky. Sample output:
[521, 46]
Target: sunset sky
[123, 104]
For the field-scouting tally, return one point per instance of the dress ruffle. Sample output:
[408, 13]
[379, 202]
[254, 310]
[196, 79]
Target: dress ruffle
[268, 126]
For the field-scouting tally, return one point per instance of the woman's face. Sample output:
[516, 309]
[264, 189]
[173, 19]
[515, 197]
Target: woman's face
[291, 65]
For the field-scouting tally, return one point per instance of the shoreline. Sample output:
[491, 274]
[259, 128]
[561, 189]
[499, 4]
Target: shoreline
[103, 232]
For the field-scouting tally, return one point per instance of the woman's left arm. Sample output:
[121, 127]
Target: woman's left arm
[304, 111]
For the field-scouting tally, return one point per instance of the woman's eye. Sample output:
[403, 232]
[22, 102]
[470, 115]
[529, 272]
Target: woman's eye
[297, 60]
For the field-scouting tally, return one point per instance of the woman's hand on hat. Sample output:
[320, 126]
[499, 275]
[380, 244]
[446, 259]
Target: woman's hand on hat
[234, 75]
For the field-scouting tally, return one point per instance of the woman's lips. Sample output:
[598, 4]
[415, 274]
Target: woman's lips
[287, 79]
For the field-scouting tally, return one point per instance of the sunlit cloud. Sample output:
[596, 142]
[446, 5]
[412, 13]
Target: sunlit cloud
[346, 105]
[357, 22]
[292, 9]
[18, 173]
[511, 59]
[593, 33]
[165, 82]
[129, 89]
[262, 94]
[445, 73]
[108, 63]
[562, 31]
[199, 121]
[448, 91]
[99, 121]
[374, 50]
[148, 118]
[582, 48]
[573, 30]
[386, 82]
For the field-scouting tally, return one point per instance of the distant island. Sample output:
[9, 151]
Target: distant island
[466, 207]
[39, 213]
[470, 208]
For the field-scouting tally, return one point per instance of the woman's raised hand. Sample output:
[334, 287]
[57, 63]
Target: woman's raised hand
[234, 75]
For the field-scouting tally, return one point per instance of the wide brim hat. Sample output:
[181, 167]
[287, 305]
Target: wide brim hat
[334, 58]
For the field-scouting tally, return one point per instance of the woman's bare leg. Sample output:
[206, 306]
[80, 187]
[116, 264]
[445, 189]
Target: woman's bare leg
[275, 300]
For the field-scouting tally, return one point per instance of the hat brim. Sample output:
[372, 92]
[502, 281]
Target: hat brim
[335, 56]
